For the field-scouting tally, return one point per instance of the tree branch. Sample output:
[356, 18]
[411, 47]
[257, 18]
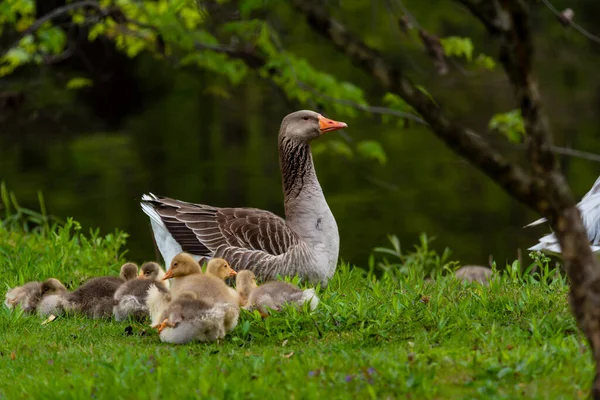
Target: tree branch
[464, 141]
[546, 191]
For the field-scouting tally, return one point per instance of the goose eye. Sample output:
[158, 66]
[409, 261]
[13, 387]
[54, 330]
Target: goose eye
[305, 118]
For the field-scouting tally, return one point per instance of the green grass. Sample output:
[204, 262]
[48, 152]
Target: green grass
[392, 336]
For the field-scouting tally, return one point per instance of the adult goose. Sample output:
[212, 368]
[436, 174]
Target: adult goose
[305, 243]
[589, 207]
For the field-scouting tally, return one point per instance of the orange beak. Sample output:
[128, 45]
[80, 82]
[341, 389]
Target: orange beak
[329, 125]
[141, 275]
[168, 275]
[232, 272]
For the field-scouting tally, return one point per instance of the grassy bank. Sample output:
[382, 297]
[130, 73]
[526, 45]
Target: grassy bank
[396, 336]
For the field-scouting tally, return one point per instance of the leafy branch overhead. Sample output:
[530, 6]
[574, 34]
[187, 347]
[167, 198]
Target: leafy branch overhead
[180, 31]
[183, 32]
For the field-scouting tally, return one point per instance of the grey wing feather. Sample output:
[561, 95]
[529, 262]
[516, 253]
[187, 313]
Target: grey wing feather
[590, 213]
[201, 229]
[583, 206]
[594, 190]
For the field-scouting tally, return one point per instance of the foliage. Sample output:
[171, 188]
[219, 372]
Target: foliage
[458, 47]
[373, 150]
[509, 124]
[369, 149]
[371, 337]
[485, 62]
[424, 262]
[31, 248]
[333, 146]
[180, 31]
[78, 83]
[455, 46]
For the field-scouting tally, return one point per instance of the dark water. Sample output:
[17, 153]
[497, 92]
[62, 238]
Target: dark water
[189, 145]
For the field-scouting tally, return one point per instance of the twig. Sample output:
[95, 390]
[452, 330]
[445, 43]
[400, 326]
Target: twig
[575, 153]
[405, 11]
[577, 27]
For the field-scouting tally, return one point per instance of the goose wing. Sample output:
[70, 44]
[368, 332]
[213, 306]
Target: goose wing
[202, 229]
[585, 201]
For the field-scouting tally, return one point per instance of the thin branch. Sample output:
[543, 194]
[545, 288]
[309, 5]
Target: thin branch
[398, 31]
[405, 11]
[576, 153]
[577, 27]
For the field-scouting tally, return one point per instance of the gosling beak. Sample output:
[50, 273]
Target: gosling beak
[168, 275]
[141, 275]
[329, 125]
[232, 272]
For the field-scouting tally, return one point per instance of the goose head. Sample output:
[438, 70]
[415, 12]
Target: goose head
[245, 281]
[306, 125]
[52, 286]
[183, 264]
[128, 271]
[150, 270]
[220, 268]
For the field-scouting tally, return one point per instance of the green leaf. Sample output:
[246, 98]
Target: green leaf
[373, 150]
[458, 46]
[396, 102]
[78, 83]
[425, 92]
[341, 148]
[17, 56]
[52, 40]
[485, 62]
[509, 124]
[96, 31]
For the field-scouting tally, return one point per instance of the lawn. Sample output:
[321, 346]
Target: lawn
[384, 335]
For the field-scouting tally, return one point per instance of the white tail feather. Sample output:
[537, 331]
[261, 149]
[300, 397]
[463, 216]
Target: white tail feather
[165, 242]
[310, 295]
[536, 222]
[157, 302]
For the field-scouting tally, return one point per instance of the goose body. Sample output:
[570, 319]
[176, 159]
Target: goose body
[33, 295]
[210, 287]
[199, 307]
[188, 318]
[474, 273]
[95, 297]
[130, 297]
[272, 295]
[306, 243]
[23, 296]
[589, 207]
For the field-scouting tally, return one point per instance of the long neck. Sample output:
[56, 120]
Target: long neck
[306, 209]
